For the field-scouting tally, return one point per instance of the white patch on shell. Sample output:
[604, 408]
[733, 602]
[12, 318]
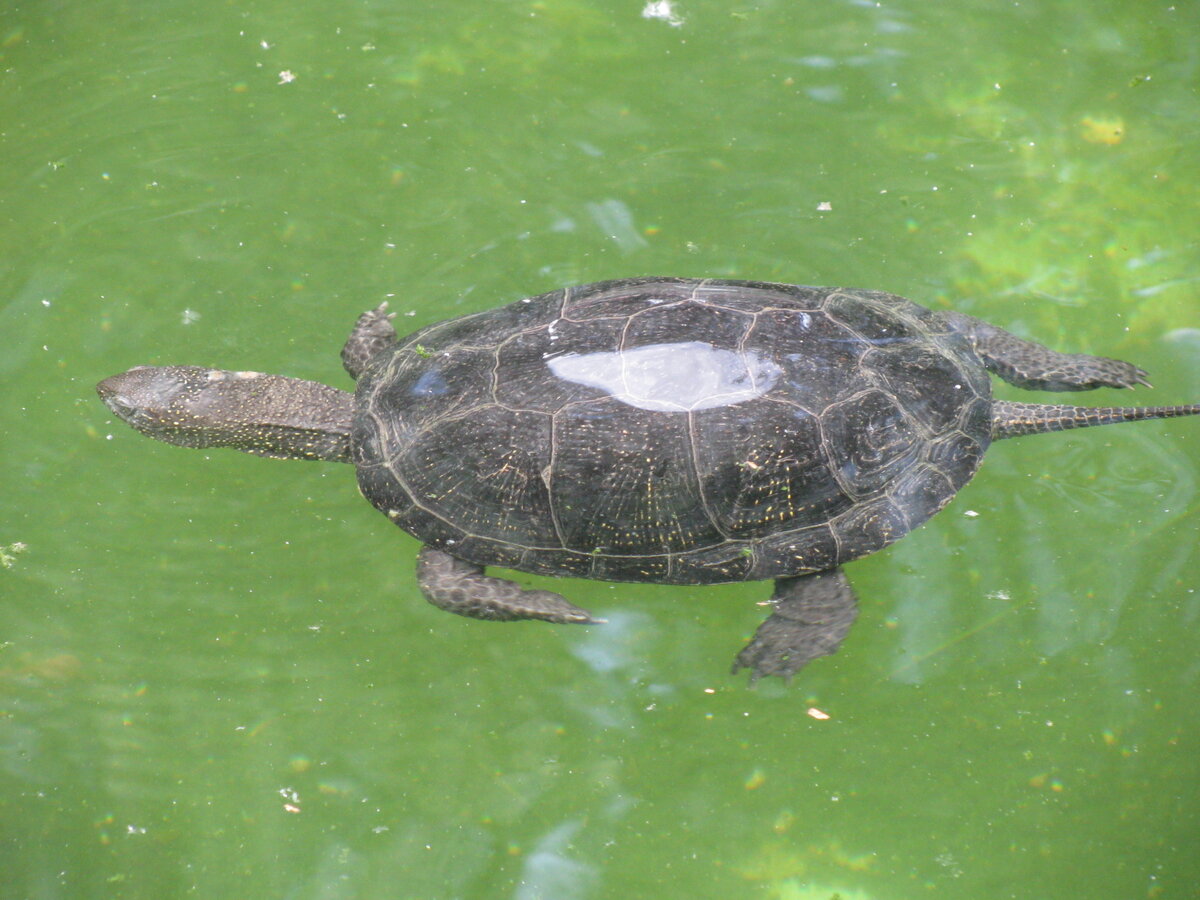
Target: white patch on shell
[675, 377]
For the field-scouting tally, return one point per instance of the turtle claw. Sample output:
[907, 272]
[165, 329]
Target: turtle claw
[1114, 373]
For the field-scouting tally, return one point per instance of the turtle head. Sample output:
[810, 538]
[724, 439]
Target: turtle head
[168, 403]
[268, 415]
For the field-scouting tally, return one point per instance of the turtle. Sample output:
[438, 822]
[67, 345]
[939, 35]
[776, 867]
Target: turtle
[651, 430]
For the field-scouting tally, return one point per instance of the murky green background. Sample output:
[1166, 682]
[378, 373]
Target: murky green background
[217, 678]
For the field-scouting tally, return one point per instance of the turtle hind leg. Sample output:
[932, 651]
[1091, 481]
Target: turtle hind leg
[812, 614]
[462, 588]
[372, 333]
[1035, 367]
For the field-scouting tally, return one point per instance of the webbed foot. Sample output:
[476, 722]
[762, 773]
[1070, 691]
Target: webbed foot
[462, 588]
[1030, 365]
[372, 333]
[812, 614]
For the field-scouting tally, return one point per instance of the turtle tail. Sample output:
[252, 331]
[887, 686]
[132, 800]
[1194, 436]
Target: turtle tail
[1015, 419]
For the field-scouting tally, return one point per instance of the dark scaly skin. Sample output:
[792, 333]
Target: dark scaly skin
[267, 415]
[810, 618]
[1016, 419]
[461, 587]
[1030, 365]
[373, 332]
[1034, 367]
[271, 415]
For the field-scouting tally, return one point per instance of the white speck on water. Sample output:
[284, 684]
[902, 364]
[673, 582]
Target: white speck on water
[824, 206]
[8, 555]
[287, 76]
[188, 316]
[971, 514]
[663, 10]
[950, 864]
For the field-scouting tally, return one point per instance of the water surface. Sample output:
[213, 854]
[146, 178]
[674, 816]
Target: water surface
[217, 677]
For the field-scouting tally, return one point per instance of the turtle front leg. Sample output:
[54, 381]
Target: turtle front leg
[812, 614]
[372, 332]
[1035, 367]
[461, 587]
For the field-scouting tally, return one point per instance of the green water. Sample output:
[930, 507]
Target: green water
[217, 678]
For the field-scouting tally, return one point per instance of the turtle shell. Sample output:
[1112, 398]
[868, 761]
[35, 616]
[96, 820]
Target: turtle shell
[671, 430]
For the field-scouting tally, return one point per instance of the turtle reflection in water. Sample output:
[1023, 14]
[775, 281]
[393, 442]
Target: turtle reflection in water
[654, 430]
